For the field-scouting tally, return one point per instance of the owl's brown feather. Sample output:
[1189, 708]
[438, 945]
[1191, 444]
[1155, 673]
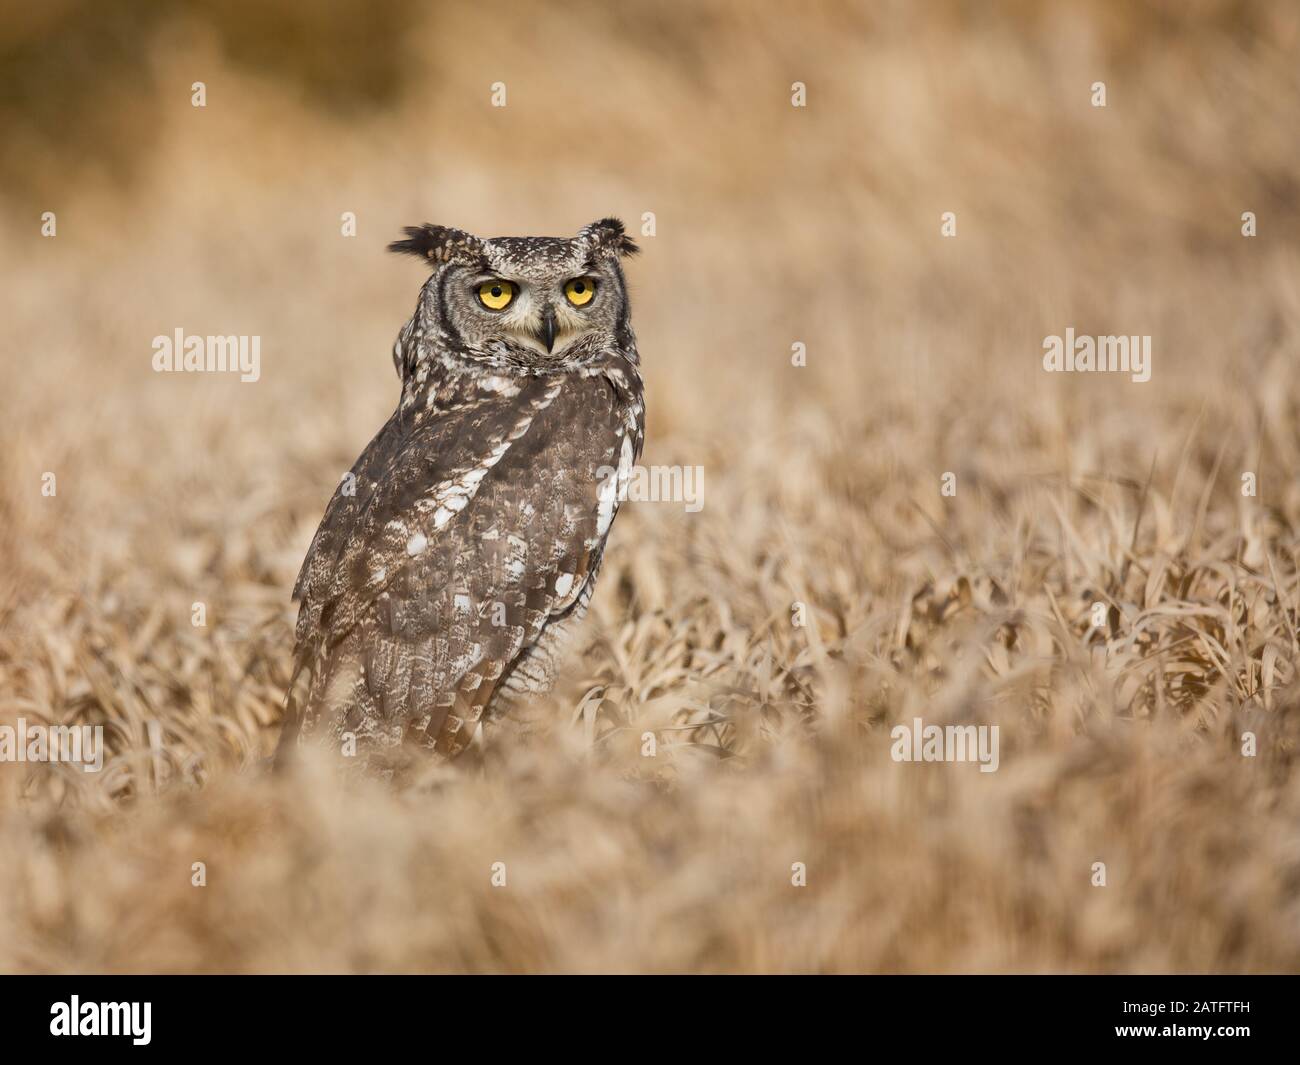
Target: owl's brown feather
[427, 606]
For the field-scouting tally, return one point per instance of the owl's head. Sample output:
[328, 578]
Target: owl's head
[525, 302]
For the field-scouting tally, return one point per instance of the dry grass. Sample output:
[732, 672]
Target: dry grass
[775, 225]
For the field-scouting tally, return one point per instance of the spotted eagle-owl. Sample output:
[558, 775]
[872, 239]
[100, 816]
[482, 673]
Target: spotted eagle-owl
[465, 542]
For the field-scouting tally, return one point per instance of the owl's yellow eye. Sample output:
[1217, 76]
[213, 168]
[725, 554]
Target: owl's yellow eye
[580, 290]
[496, 295]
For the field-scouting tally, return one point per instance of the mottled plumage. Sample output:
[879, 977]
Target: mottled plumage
[466, 540]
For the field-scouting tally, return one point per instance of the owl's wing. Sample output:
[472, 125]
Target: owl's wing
[466, 535]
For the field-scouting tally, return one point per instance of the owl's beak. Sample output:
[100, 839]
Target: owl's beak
[546, 334]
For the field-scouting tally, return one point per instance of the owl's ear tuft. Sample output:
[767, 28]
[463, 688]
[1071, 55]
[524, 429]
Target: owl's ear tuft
[439, 244]
[607, 237]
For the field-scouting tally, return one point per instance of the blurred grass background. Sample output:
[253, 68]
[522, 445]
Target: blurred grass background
[774, 225]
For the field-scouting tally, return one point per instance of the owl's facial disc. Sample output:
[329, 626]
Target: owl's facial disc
[543, 316]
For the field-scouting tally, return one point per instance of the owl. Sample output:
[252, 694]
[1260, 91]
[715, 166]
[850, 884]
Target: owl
[463, 547]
